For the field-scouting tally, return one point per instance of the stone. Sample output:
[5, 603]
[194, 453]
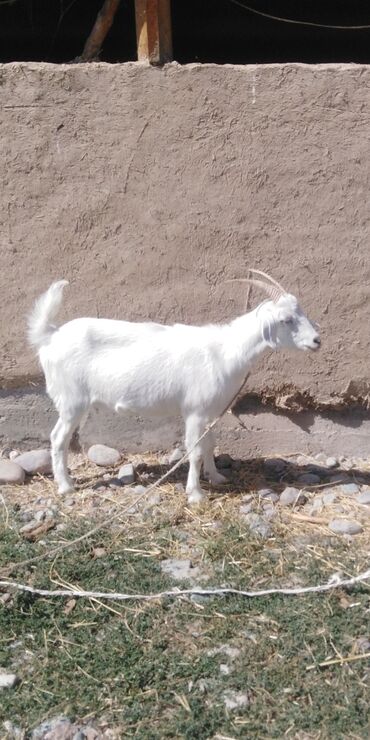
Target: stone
[345, 526]
[258, 525]
[363, 498]
[35, 461]
[329, 498]
[103, 455]
[331, 462]
[225, 669]
[154, 499]
[339, 478]
[292, 496]
[56, 728]
[308, 479]
[246, 508]
[13, 732]
[8, 680]
[138, 490]
[348, 489]
[11, 473]
[235, 700]
[236, 465]
[126, 474]
[269, 511]
[13, 454]
[179, 569]
[362, 644]
[175, 456]
[224, 461]
[275, 466]
[268, 495]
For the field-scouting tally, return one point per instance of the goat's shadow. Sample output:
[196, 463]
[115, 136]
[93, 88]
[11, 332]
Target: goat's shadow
[253, 474]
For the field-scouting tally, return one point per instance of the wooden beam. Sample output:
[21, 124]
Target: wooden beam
[153, 31]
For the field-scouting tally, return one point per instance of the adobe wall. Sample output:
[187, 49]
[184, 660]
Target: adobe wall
[147, 188]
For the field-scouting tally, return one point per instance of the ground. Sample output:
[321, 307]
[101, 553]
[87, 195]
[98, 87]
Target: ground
[187, 667]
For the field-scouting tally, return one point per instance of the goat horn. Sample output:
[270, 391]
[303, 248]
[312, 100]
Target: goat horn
[272, 291]
[270, 279]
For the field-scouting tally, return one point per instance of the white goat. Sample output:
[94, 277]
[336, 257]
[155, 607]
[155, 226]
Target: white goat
[153, 369]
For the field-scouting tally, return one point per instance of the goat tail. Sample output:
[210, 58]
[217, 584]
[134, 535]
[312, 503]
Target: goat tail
[40, 326]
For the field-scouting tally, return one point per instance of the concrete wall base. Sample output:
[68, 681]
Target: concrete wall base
[258, 431]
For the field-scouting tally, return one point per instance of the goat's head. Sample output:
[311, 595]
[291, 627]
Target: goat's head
[284, 325]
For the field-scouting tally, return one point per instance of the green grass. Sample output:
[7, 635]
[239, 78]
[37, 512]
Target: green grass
[147, 669]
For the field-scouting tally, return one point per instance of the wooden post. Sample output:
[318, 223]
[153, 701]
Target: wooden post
[153, 31]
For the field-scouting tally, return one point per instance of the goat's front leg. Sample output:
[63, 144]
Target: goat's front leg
[194, 429]
[210, 470]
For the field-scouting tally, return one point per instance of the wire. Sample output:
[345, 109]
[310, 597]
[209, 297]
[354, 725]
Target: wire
[298, 23]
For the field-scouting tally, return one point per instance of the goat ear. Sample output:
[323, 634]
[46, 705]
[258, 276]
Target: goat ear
[269, 331]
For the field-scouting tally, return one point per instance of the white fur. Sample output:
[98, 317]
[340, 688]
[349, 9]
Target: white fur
[153, 369]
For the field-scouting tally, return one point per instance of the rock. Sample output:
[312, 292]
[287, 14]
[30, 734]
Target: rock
[235, 700]
[35, 461]
[275, 466]
[224, 461]
[258, 525]
[268, 494]
[138, 490]
[329, 498]
[362, 644]
[364, 497]
[236, 465]
[339, 478]
[345, 526]
[56, 728]
[269, 511]
[225, 669]
[8, 680]
[225, 649]
[40, 515]
[247, 498]
[308, 479]
[11, 473]
[175, 456]
[179, 487]
[246, 508]
[13, 454]
[331, 462]
[179, 569]
[99, 552]
[154, 499]
[103, 455]
[126, 474]
[348, 489]
[292, 496]
[13, 732]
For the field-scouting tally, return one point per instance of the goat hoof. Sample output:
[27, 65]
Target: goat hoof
[196, 497]
[217, 479]
[65, 488]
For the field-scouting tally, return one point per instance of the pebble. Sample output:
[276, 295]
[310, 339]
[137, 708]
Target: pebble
[179, 569]
[362, 644]
[103, 455]
[11, 473]
[331, 462]
[345, 526]
[339, 478]
[348, 489]
[308, 479]
[246, 508]
[14, 732]
[126, 474]
[275, 466]
[258, 525]
[329, 498]
[292, 496]
[363, 498]
[175, 455]
[235, 700]
[8, 680]
[269, 511]
[267, 493]
[13, 454]
[56, 728]
[35, 461]
[224, 461]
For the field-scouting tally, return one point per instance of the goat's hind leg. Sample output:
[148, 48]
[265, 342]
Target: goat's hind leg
[209, 467]
[60, 438]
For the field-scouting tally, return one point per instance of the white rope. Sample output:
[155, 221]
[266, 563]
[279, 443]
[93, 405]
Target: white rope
[334, 582]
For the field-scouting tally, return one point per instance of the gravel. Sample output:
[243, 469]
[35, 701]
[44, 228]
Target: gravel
[11, 473]
[103, 455]
[35, 461]
[345, 526]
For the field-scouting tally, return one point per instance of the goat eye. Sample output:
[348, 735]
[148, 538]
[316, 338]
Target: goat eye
[288, 321]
